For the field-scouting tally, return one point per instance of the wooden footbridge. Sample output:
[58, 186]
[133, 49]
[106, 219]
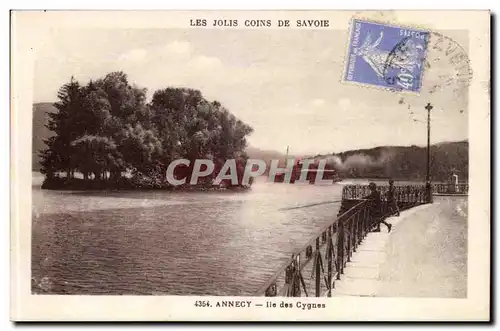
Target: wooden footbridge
[314, 269]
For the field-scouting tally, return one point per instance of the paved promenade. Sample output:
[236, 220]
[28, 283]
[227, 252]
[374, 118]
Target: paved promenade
[425, 255]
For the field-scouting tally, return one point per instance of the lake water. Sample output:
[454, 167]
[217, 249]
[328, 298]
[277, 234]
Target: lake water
[184, 243]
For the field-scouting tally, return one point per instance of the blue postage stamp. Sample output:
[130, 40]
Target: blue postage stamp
[386, 56]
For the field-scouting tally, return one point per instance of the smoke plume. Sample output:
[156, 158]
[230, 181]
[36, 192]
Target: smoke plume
[359, 160]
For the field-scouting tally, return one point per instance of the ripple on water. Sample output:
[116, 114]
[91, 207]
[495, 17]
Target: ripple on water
[171, 243]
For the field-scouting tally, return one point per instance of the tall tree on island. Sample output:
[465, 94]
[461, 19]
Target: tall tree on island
[90, 125]
[191, 127]
[57, 157]
[106, 128]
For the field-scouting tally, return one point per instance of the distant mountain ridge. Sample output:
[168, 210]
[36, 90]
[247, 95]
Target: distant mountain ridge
[398, 162]
[405, 162]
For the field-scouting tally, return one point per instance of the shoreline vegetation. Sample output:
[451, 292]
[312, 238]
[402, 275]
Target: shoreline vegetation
[107, 132]
[105, 136]
[130, 184]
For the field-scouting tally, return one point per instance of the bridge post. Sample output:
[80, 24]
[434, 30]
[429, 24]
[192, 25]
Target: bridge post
[362, 226]
[329, 251]
[365, 222]
[348, 239]
[318, 269]
[340, 249]
[355, 232]
[428, 192]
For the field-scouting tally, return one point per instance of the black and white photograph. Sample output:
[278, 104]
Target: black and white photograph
[254, 160]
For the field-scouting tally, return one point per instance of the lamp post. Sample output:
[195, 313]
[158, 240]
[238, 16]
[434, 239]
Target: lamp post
[428, 174]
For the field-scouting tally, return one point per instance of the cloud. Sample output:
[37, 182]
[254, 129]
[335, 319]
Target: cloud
[344, 103]
[178, 47]
[179, 63]
[326, 53]
[170, 51]
[317, 102]
[203, 62]
[134, 55]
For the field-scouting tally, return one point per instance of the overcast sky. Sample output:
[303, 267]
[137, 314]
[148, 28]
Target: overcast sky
[284, 83]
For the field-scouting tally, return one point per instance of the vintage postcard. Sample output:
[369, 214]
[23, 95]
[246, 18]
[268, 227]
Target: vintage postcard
[250, 166]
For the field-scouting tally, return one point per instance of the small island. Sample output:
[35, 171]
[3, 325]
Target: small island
[106, 136]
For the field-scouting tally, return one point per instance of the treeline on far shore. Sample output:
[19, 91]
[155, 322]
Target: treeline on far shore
[404, 162]
[107, 132]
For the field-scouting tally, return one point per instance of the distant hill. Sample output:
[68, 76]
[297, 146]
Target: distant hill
[40, 132]
[266, 155]
[405, 162]
[398, 162]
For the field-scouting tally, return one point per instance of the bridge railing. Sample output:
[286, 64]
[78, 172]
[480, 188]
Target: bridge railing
[406, 193]
[313, 269]
[449, 188]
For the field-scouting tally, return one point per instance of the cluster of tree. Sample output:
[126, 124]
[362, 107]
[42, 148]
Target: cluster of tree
[108, 132]
[406, 162]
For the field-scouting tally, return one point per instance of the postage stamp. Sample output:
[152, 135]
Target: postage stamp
[386, 56]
